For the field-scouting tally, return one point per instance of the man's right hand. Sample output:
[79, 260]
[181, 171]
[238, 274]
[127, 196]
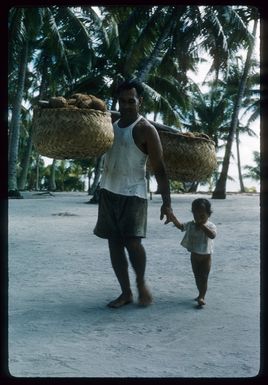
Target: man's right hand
[168, 212]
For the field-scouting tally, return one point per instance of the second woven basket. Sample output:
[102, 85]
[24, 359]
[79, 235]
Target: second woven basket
[188, 158]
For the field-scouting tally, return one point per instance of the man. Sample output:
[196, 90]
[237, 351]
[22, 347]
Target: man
[122, 215]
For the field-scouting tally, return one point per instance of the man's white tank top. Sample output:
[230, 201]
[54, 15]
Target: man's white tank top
[125, 164]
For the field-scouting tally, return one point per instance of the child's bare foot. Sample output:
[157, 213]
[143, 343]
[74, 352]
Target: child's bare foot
[121, 301]
[145, 297]
[201, 302]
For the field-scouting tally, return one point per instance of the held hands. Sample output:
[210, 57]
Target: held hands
[166, 210]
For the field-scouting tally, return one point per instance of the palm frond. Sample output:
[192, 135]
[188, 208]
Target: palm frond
[57, 39]
[171, 89]
[162, 105]
[17, 35]
[241, 30]
[145, 43]
[76, 25]
[130, 25]
[89, 14]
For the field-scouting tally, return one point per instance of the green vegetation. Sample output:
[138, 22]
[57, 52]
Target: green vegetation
[61, 50]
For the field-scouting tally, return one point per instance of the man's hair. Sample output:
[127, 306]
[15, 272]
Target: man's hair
[128, 84]
[202, 202]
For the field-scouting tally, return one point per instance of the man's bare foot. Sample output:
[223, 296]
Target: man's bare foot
[201, 302]
[122, 300]
[145, 297]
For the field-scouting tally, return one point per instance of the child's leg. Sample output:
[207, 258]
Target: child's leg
[201, 267]
[195, 268]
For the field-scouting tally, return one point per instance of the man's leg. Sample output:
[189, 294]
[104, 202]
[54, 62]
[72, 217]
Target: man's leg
[120, 266]
[137, 258]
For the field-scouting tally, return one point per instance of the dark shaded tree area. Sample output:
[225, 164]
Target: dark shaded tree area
[61, 50]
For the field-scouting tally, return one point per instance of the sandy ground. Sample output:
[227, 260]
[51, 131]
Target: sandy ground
[60, 280]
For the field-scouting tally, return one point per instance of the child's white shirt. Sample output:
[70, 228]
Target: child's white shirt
[195, 240]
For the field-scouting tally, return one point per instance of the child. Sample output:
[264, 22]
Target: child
[198, 239]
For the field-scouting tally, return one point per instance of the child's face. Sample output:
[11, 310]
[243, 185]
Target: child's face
[200, 215]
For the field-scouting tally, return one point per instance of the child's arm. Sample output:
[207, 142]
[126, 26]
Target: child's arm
[176, 222]
[209, 232]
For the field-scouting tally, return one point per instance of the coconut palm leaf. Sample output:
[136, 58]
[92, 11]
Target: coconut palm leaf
[96, 22]
[161, 104]
[76, 26]
[58, 42]
[171, 89]
[130, 24]
[146, 41]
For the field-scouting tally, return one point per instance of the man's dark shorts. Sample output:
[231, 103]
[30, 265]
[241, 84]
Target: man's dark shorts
[121, 216]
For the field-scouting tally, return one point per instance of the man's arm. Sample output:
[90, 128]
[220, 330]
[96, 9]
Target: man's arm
[155, 153]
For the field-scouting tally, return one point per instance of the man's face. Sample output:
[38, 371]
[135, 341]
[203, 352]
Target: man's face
[129, 102]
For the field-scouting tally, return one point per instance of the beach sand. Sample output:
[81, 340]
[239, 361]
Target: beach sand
[60, 280]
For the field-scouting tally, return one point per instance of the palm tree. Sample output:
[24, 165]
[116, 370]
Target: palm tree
[212, 111]
[220, 189]
[25, 147]
[152, 46]
[42, 29]
[121, 44]
[16, 19]
[253, 172]
[143, 41]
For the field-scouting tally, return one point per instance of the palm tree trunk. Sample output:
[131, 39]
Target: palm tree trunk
[242, 187]
[193, 187]
[52, 177]
[15, 125]
[25, 163]
[37, 186]
[220, 189]
[98, 170]
[42, 91]
[89, 175]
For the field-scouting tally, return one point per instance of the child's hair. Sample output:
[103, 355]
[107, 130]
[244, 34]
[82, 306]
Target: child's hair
[202, 202]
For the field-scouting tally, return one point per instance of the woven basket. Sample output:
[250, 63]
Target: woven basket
[188, 158]
[65, 133]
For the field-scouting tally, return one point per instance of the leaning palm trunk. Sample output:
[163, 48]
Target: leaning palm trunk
[15, 126]
[220, 189]
[26, 160]
[52, 178]
[98, 172]
[149, 63]
[25, 163]
[242, 187]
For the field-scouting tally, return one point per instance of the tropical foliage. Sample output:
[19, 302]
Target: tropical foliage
[253, 172]
[60, 50]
